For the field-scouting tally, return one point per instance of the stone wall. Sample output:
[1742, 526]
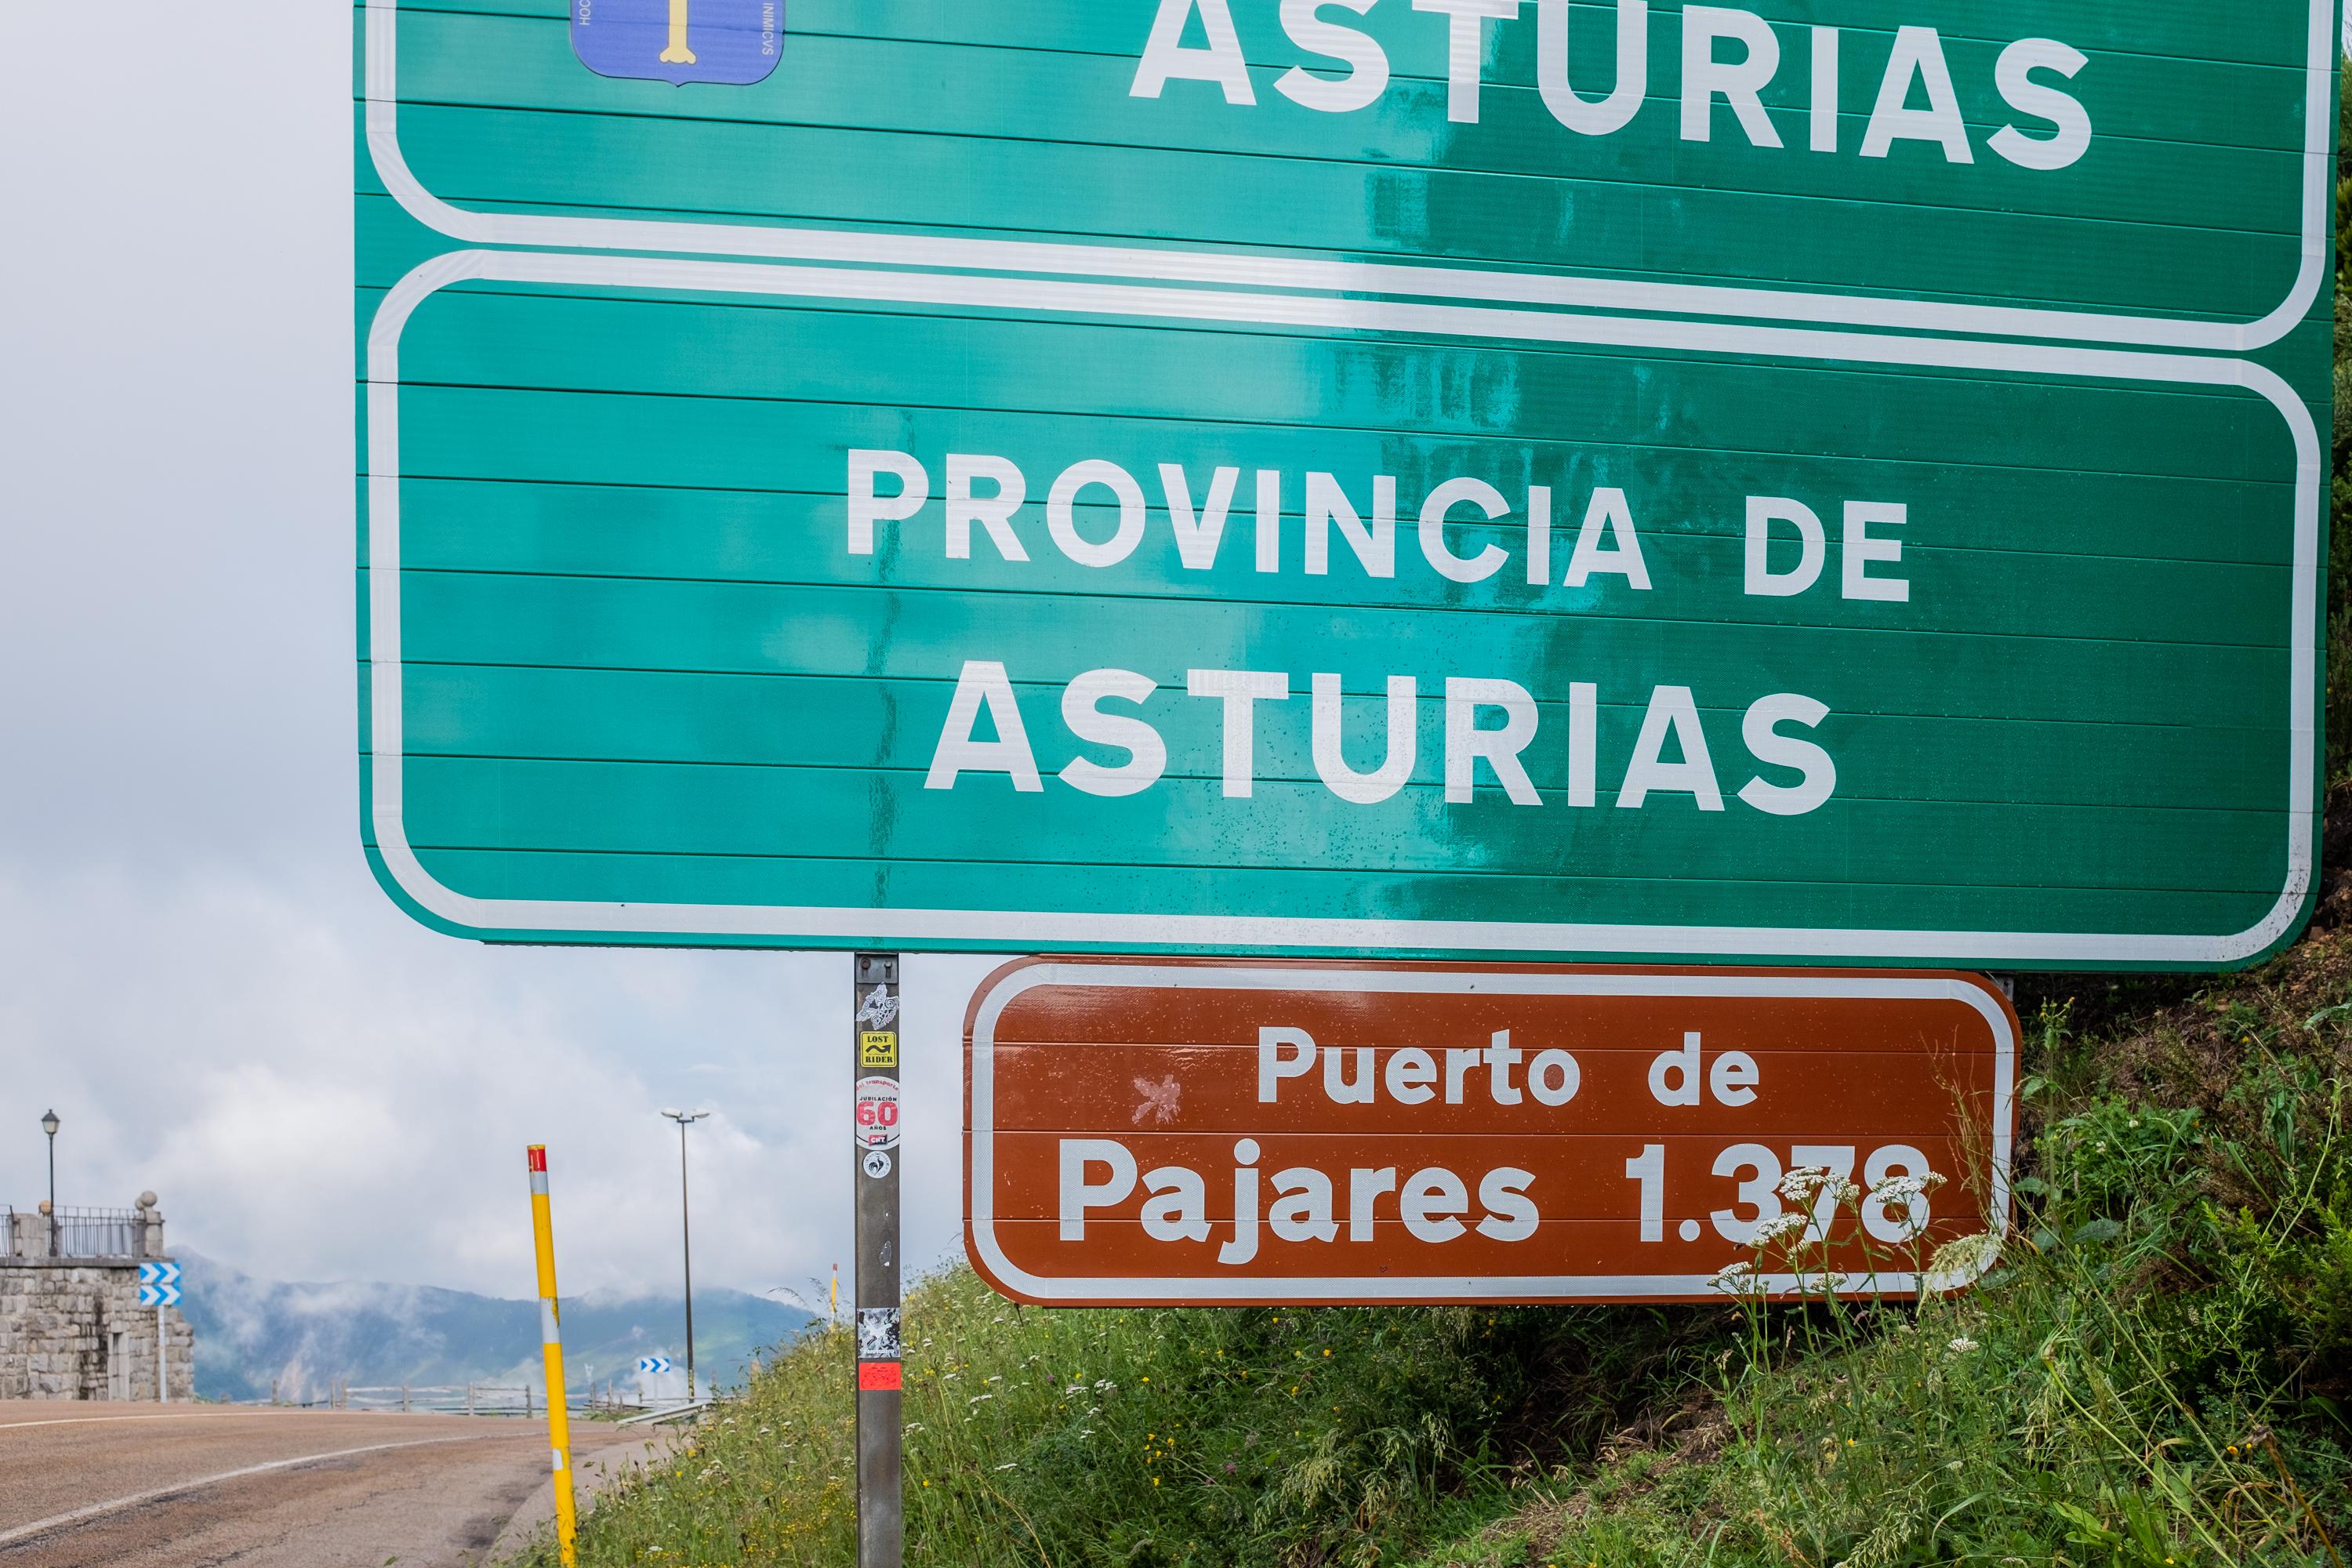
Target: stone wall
[73, 1329]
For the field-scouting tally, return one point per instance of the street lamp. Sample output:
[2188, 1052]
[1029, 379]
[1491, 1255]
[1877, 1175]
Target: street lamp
[686, 1119]
[49, 1126]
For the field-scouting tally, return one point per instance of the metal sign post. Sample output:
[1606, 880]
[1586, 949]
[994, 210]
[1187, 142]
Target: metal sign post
[874, 1056]
[159, 1287]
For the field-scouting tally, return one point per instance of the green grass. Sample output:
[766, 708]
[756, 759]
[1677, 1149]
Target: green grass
[1176, 1437]
[2157, 1373]
[2152, 1376]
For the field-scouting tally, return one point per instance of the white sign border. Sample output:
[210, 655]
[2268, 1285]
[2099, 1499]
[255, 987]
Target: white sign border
[512, 918]
[1008, 984]
[1489, 285]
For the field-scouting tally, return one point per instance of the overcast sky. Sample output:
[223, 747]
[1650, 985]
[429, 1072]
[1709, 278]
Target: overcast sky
[196, 970]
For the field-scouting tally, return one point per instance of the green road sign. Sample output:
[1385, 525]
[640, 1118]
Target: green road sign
[700, 609]
[2154, 173]
[936, 495]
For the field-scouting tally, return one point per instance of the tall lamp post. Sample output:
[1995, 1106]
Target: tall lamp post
[686, 1119]
[49, 1126]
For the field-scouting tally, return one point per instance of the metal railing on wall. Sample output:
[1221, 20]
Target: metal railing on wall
[74, 1232]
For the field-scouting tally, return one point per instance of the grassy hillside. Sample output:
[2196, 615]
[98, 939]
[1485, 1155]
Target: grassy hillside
[2160, 1372]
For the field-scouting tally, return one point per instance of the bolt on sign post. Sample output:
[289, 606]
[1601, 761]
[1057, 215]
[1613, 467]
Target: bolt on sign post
[1235, 511]
[874, 1028]
[559, 1419]
[1222, 1132]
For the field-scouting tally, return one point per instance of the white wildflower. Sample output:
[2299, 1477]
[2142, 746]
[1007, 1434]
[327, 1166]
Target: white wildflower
[1740, 1279]
[1903, 1189]
[1963, 1259]
[1800, 1185]
[1963, 1345]
[1785, 1226]
[1105, 1386]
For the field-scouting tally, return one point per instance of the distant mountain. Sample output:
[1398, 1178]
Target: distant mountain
[251, 1333]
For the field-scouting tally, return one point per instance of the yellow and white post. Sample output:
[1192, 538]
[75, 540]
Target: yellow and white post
[559, 1421]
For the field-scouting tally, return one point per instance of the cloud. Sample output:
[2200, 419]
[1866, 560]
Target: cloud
[319, 1090]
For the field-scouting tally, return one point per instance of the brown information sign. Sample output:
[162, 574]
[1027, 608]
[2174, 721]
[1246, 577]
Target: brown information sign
[1203, 1132]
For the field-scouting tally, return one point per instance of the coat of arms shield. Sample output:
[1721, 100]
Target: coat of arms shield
[736, 42]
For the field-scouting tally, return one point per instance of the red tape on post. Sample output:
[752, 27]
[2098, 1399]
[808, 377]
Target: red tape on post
[877, 1376]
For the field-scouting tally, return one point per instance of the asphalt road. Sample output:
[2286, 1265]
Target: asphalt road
[94, 1485]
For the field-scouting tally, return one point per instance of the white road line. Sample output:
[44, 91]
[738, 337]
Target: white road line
[59, 1520]
[87, 1420]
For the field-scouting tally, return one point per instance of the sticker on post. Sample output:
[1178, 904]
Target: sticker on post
[881, 1009]
[877, 1049]
[877, 1333]
[877, 1163]
[877, 1113]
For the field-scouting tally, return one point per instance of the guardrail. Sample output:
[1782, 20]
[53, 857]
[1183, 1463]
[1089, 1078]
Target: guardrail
[662, 1418]
[456, 1399]
[446, 1399]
